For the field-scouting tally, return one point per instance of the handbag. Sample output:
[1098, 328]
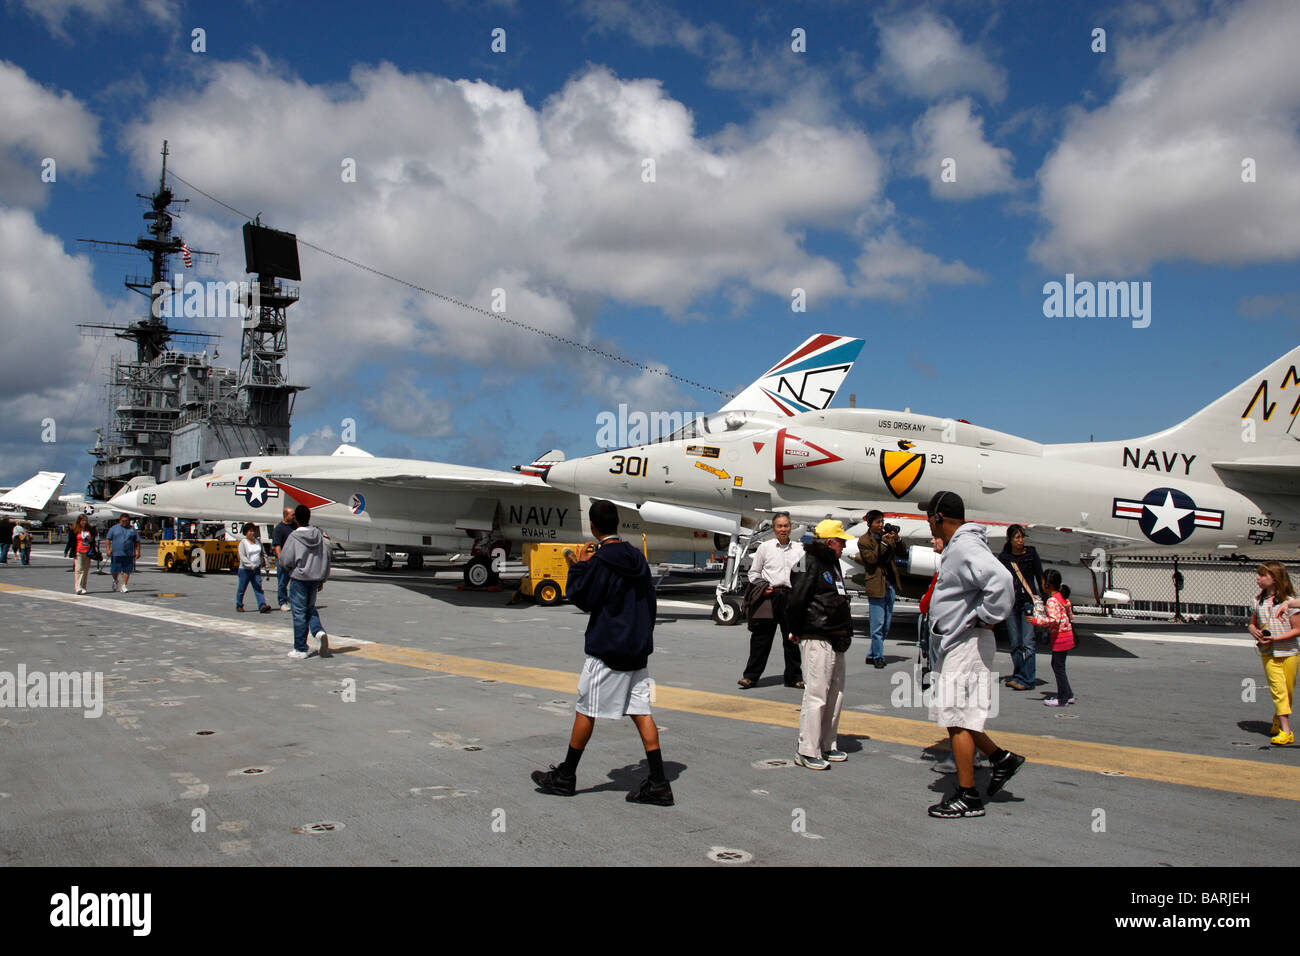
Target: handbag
[1040, 609]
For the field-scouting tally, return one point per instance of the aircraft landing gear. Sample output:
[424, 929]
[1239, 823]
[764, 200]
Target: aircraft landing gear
[479, 574]
[384, 562]
[726, 611]
[415, 560]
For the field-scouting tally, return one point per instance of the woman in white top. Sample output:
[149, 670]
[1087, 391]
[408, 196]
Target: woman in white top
[250, 569]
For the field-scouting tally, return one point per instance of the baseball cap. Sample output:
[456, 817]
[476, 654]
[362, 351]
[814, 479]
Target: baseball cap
[830, 529]
[946, 504]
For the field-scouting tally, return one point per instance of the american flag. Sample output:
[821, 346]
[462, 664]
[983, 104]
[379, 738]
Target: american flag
[185, 254]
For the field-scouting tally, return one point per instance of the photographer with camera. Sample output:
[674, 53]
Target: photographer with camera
[877, 550]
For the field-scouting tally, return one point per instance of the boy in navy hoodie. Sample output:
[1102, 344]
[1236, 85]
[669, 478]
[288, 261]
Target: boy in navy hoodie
[612, 582]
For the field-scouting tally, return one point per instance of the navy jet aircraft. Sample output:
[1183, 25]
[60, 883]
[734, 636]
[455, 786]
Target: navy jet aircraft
[38, 503]
[425, 507]
[1228, 478]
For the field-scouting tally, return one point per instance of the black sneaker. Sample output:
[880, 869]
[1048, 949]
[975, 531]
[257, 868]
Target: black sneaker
[555, 781]
[880, 663]
[660, 794]
[958, 805]
[1003, 771]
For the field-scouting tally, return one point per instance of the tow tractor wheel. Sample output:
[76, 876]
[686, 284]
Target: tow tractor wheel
[169, 562]
[385, 563]
[478, 573]
[415, 561]
[548, 593]
[727, 613]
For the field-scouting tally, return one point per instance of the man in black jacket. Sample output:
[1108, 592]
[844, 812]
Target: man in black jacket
[819, 618]
[612, 582]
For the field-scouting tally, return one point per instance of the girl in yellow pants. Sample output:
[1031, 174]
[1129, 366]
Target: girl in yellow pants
[1275, 625]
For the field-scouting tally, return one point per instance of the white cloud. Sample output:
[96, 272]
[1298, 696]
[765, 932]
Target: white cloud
[56, 13]
[47, 369]
[404, 407]
[1156, 174]
[890, 268]
[953, 131]
[322, 441]
[466, 188]
[922, 54]
[37, 123]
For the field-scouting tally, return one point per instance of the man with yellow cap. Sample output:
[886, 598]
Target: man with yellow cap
[818, 617]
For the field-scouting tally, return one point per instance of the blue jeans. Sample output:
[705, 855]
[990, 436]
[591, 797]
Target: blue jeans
[249, 576]
[4, 551]
[281, 585]
[1023, 653]
[880, 616]
[302, 598]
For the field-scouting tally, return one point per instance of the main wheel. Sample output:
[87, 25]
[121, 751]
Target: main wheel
[415, 561]
[548, 593]
[478, 573]
[385, 563]
[727, 613]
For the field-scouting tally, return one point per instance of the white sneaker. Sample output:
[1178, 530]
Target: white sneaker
[81, 590]
[285, 607]
[297, 655]
[323, 641]
[123, 588]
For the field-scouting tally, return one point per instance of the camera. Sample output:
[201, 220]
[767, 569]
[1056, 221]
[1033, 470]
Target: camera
[891, 529]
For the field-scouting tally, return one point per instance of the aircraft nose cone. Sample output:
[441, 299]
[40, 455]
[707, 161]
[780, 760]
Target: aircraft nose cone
[562, 475]
[126, 501]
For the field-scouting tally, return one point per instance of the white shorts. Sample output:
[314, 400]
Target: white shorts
[604, 692]
[965, 689]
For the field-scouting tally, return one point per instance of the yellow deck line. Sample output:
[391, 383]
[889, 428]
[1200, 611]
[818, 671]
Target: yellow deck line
[1230, 775]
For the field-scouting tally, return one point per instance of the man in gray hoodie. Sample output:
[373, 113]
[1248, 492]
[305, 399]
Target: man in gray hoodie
[306, 559]
[972, 593]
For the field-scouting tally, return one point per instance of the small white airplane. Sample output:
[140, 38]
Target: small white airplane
[476, 515]
[37, 501]
[1226, 479]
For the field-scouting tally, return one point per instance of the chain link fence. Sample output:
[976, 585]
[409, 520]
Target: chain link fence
[1203, 590]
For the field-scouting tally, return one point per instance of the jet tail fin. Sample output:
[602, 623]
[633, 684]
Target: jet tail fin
[805, 380]
[540, 465]
[350, 451]
[36, 493]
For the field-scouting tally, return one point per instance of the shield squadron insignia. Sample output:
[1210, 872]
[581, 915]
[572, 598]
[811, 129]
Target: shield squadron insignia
[901, 470]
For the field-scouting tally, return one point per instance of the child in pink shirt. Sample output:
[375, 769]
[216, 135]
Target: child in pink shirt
[1059, 623]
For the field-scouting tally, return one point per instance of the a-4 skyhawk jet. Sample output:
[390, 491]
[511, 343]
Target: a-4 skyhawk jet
[1226, 479]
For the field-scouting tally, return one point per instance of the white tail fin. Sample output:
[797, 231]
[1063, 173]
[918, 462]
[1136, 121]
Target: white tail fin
[36, 493]
[540, 465]
[1250, 434]
[1256, 420]
[805, 380]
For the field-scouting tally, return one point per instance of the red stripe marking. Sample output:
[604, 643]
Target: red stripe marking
[813, 346]
[300, 496]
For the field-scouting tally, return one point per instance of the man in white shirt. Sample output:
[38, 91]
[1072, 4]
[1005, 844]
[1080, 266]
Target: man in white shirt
[773, 562]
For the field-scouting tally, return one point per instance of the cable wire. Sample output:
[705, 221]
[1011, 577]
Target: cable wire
[501, 317]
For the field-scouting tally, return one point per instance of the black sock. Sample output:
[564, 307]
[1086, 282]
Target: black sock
[570, 766]
[999, 755]
[656, 759]
[971, 792]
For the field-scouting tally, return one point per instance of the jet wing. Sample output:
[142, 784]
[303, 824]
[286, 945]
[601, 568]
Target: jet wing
[1068, 543]
[36, 493]
[435, 482]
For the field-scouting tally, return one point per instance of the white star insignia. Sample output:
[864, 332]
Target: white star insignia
[1168, 515]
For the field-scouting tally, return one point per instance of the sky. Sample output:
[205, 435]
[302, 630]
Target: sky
[695, 188]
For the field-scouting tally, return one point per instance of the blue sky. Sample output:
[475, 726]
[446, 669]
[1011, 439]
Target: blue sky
[523, 170]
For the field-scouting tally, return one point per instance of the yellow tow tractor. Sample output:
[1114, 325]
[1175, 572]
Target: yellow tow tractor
[547, 571]
[198, 555]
